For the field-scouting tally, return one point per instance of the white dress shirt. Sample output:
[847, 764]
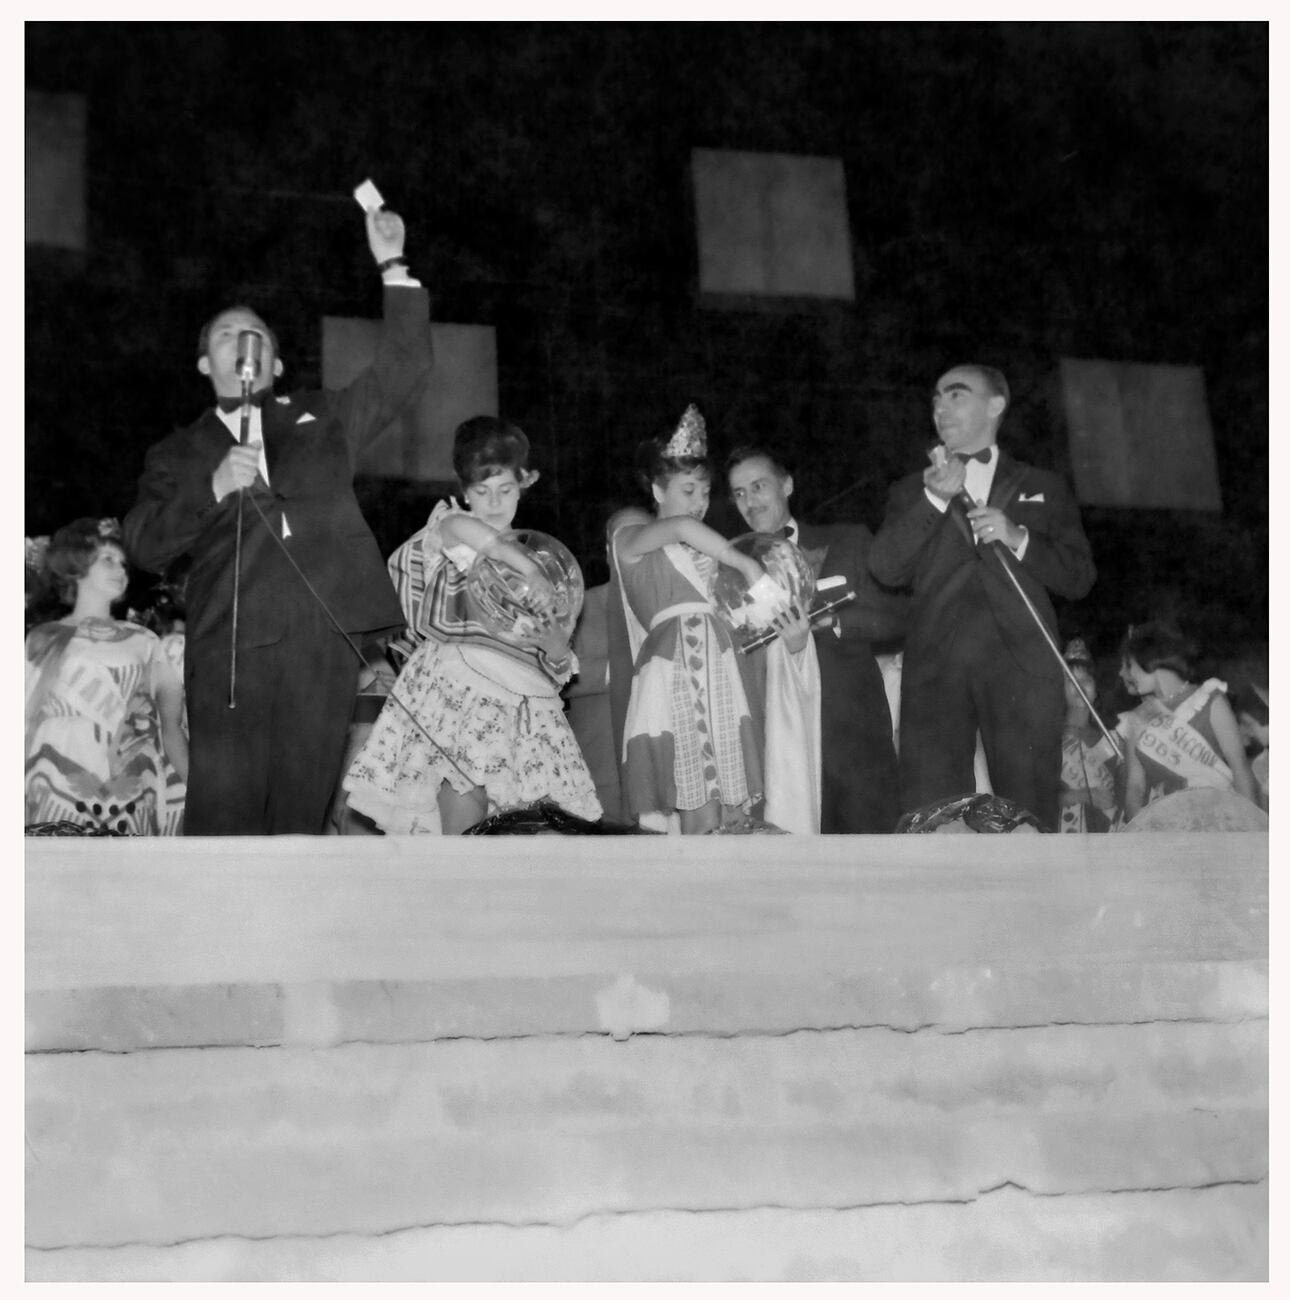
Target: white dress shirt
[978, 481]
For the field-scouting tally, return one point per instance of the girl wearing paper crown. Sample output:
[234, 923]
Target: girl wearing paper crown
[690, 759]
[475, 724]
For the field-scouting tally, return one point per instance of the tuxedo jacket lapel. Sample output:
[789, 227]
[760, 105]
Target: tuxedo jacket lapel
[958, 512]
[814, 545]
[1008, 478]
[214, 432]
[271, 431]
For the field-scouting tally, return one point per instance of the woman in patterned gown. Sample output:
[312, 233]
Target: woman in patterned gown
[690, 759]
[105, 746]
[1183, 735]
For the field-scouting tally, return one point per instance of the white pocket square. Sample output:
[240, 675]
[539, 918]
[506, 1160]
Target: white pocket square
[306, 418]
[1023, 498]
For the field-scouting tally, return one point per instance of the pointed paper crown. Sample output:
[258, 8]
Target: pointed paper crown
[690, 441]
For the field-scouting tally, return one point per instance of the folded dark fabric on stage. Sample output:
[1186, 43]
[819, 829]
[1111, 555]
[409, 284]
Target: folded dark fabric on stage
[548, 819]
[982, 814]
[70, 828]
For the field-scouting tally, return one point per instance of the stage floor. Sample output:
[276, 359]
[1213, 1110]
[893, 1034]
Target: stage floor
[634, 1058]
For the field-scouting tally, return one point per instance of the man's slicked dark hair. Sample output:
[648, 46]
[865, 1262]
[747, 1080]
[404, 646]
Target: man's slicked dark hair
[204, 338]
[993, 379]
[750, 451]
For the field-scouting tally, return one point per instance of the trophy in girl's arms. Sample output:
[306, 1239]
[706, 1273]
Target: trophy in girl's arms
[524, 581]
[748, 609]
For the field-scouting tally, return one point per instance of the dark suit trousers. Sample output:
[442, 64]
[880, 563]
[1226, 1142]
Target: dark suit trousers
[270, 765]
[1020, 717]
[858, 785]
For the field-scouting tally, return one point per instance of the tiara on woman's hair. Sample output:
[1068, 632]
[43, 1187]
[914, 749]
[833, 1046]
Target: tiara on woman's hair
[690, 441]
[110, 530]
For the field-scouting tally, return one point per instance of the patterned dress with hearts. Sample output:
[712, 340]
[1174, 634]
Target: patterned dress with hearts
[688, 737]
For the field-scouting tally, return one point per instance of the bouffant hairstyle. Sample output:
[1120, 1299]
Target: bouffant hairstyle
[73, 548]
[1161, 645]
[486, 445]
[993, 379]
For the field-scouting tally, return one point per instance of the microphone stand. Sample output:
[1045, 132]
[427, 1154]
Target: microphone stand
[1006, 563]
[244, 436]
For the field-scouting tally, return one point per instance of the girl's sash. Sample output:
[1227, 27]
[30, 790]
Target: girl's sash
[1167, 737]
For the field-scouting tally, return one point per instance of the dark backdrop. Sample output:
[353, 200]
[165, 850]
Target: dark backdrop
[1017, 192]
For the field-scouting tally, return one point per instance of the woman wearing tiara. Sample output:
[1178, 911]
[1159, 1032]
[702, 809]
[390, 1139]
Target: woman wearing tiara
[690, 757]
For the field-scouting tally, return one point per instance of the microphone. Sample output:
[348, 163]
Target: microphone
[250, 348]
[971, 503]
[963, 496]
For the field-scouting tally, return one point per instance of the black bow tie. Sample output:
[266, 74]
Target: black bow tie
[786, 532]
[258, 398]
[983, 455]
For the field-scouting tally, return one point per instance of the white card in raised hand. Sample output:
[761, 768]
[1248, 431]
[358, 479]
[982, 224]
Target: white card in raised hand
[368, 196]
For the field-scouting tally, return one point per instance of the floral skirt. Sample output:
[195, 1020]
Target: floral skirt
[455, 723]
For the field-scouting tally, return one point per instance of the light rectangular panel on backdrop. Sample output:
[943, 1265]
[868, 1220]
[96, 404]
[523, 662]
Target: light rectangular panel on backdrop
[772, 224]
[462, 384]
[1140, 435]
[54, 193]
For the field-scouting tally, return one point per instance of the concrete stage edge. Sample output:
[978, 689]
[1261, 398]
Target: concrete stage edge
[1038, 1058]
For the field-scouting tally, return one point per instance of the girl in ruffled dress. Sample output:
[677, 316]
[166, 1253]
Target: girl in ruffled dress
[474, 725]
[691, 761]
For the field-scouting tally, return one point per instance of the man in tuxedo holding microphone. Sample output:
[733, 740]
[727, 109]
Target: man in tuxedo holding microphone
[259, 493]
[975, 656]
